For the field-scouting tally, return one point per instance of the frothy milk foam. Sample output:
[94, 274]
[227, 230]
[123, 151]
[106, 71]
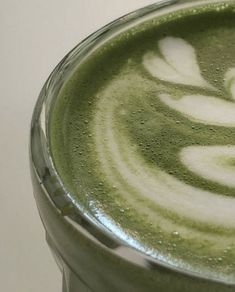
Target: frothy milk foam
[143, 135]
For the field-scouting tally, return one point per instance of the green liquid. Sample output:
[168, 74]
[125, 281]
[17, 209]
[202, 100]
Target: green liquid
[143, 136]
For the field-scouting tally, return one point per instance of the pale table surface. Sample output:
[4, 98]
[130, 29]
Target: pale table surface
[35, 35]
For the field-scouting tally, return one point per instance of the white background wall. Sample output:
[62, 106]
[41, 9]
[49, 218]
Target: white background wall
[34, 36]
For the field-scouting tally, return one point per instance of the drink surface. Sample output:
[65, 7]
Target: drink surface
[143, 137]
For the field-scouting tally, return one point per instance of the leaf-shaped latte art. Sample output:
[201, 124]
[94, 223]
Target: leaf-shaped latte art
[179, 63]
[185, 187]
[126, 169]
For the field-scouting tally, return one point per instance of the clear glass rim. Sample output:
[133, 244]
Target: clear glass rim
[41, 159]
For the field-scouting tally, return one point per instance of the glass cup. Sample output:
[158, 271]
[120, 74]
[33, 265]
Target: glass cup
[90, 257]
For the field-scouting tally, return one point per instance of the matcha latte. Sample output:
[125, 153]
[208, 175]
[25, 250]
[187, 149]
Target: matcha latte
[143, 136]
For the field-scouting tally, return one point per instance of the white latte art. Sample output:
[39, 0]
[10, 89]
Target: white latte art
[178, 65]
[216, 163]
[170, 203]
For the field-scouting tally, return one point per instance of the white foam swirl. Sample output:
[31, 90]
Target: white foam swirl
[161, 198]
[178, 65]
[124, 167]
[215, 163]
[210, 162]
[204, 109]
